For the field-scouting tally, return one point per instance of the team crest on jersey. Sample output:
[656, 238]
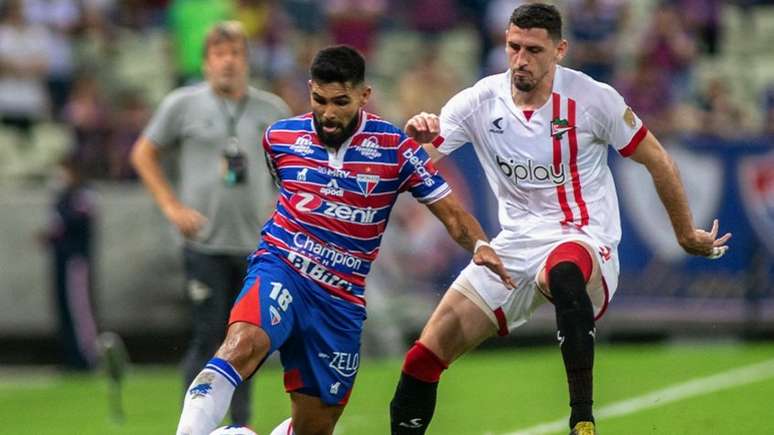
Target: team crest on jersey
[756, 182]
[275, 315]
[303, 145]
[628, 117]
[369, 148]
[367, 183]
[559, 127]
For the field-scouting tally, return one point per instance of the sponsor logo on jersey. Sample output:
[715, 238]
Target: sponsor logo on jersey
[326, 255]
[345, 363]
[530, 171]
[332, 189]
[301, 176]
[303, 145]
[333, 172]
[319, 273]
[559, 127]
[310, 203]
[369, 148]
[497, 126]
[275, 316]
[628, 117]
[605, 252]
[419, 167]
[367, 183]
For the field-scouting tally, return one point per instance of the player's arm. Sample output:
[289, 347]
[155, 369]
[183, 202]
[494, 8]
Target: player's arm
[467, 232]
[666, 178]
[145, 160]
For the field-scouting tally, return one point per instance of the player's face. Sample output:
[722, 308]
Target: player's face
[335, 107]
[226, 66]
[532, 54]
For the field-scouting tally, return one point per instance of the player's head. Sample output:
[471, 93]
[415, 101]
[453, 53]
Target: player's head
[225, 58]
[534, 44]
[337, 92]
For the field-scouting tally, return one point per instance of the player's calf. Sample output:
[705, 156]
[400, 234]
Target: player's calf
[413, 405]
[569, 267]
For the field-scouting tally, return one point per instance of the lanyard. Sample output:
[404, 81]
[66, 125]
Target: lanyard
[232, 119]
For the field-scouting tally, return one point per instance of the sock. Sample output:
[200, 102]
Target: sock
[413, 405]
[284, 428]
[575, 323]
[208, 398]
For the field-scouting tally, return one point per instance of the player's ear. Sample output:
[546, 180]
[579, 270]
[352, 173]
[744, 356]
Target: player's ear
[365, 94]
[561, 50]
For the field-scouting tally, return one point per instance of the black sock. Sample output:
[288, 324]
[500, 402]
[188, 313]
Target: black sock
[412, 406]
[575, 322]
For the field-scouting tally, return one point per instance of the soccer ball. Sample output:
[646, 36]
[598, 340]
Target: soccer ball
[233, 430]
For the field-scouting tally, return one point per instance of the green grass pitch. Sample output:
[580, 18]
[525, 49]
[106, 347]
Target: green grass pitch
[486, 392]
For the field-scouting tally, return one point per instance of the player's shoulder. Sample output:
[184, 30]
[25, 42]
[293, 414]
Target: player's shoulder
[588, 92]
[375, 124]
[470, 100]
[301, 124]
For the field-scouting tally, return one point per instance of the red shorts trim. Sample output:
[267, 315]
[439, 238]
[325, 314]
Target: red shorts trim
[248, 307]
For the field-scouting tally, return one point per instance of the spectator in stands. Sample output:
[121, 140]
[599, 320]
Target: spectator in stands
[130, 116]
[594, 32]
[62, 17]
[768, 121]
[414, 94]
[87, 112]
[355, 22]
[24, 62]
[703, 19]
[720, 114]
[648, 91]
[671, 49]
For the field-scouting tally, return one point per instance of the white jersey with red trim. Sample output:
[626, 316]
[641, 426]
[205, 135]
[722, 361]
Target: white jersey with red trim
[551, 169]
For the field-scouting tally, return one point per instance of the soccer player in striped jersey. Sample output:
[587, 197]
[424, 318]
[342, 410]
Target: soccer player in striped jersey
[339, 171]
[541, 133]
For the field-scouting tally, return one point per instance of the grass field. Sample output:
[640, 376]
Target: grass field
[492, 392]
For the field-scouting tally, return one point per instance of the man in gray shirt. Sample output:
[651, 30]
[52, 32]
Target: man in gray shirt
[225, 191]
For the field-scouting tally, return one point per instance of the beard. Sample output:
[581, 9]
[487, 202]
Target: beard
[524, 84]
[334, 140]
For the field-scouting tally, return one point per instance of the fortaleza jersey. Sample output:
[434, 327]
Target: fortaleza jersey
[333, 207]
[550, 169]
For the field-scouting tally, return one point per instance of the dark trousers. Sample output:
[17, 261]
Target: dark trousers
[213, 282]
[76, 325]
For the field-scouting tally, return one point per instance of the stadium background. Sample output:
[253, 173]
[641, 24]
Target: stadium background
[699, 72]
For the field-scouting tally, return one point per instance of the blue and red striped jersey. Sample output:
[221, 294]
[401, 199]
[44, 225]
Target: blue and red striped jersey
[334, 205]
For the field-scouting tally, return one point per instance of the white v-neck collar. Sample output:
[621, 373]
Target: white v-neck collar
[336, 158]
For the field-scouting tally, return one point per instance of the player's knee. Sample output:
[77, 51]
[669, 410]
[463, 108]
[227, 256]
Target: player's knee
[569, 268]
[421, 363]
[244, 347]
[317, 423]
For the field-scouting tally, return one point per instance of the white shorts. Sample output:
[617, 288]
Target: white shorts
[524, 257]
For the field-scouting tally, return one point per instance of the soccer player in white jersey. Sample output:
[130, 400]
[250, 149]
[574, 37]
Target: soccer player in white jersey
[541, 133]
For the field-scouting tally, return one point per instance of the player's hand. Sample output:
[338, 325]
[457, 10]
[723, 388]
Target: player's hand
[187, 220]
[424, 127]
[705, 243]
[486, 256]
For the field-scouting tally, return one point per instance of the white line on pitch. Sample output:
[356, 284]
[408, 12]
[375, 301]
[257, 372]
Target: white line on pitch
[696, 387]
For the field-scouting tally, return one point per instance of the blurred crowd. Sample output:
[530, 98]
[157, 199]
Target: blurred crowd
[83, 76]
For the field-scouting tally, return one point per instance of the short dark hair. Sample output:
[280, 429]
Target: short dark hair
[539, 15]
[338, 64]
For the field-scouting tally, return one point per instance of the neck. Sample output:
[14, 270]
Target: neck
[235, 94]
[537, 97]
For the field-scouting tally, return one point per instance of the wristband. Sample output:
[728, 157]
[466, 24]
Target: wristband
[480, 243]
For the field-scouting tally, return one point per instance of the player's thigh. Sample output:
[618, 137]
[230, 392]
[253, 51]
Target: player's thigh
[456, 326]
[311, 416]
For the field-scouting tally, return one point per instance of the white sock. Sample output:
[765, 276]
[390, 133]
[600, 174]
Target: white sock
[208, 398]
[285, 428]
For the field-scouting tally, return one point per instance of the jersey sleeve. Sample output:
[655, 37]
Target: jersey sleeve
[164, 128]
[454, 132]
[615, 123]
[269, 156]
[418, 174]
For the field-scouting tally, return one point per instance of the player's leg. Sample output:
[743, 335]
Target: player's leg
[240, 403]
[456, 326]
[567, 271]
[209, 395]
[311, 416]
